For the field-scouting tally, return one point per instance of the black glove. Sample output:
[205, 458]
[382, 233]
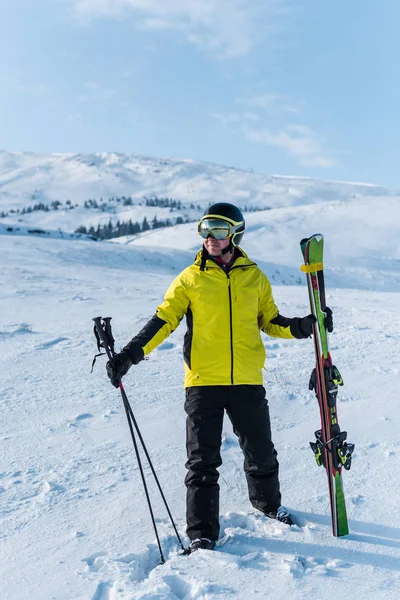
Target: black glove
[118, 366]
[328, 319]
[306, 325]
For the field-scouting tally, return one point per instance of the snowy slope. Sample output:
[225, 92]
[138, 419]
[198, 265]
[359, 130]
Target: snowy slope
[73, 518]
[363, 250]
[297, 204]
[26, 178]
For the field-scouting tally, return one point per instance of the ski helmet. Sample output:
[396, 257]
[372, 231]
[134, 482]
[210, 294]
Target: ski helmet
[230, 214]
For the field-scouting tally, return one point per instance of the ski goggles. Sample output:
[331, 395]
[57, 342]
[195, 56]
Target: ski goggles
[217, 228]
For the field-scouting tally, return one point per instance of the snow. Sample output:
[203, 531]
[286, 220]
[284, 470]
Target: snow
[74, 523]
[78, 177]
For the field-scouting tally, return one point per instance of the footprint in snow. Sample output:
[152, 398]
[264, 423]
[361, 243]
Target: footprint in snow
[102, 591]
[129, 568]
[373, 445]
[178, 586]
[80, 419]
[251, 541]
[140, 576]
[95, 561]
[84, 416]
[183, 590]
[358, 499]
[240, 521]
[51, 343]
[13, 330]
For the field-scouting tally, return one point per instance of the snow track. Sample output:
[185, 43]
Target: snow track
[251, 553]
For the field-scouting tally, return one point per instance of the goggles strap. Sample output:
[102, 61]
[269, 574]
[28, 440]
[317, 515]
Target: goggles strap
[228, 248]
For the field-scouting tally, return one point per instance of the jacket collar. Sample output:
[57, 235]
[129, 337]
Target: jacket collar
[242, 260]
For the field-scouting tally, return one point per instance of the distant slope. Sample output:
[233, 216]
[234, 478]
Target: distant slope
[27, 178]
[362, 241]
[17, 230]
[360, 221]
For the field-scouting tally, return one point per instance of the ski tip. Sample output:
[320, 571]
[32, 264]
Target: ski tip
[316, 236]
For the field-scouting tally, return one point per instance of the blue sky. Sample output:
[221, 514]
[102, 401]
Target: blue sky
[304, 87]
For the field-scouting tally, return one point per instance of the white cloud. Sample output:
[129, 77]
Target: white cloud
[228, 28]
[303, 144]
[234, 117]
[227, 119]
[299, 141]
[270, 103]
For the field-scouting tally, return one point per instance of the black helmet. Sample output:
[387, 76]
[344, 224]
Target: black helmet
[230, 213]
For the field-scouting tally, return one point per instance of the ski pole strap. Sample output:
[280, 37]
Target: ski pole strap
[312, 268]
[94, 359]
[99, 347]
[98, 340]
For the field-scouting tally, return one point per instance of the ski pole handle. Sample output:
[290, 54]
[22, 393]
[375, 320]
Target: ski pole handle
[108, 332]
[103, 334]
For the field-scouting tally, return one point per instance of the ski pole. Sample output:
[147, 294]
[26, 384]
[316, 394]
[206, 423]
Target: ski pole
[155, 475]
[111, 342]
[105, 340]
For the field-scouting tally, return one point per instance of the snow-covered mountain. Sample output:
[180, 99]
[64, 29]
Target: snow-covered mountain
[362, 250]
[361, 218]
[73, 520]
[28, 178]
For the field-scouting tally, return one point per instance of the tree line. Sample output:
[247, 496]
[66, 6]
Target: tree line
[121, 228]
[162, 202]
[55, 205]
[154, 201]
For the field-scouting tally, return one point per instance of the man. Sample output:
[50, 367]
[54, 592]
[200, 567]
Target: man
[227, 300]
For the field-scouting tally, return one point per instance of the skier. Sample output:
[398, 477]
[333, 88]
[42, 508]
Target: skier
[227, 300]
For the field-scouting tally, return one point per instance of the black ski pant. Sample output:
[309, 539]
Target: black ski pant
[247, 408]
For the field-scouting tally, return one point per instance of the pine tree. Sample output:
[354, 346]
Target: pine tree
[145, 225]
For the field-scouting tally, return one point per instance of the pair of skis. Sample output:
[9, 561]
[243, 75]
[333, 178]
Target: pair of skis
[330, 447]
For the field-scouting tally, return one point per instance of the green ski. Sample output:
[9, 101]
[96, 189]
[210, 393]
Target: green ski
[330, 447]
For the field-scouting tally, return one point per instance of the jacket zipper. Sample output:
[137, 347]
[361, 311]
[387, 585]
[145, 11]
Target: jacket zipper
[230, 323]
[230, 309]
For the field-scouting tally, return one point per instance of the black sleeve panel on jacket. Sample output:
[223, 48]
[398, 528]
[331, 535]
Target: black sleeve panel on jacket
[187, 343]
[294, 324]
[135, 347]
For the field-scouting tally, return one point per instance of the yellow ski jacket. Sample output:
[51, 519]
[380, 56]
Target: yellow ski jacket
[224, 315]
